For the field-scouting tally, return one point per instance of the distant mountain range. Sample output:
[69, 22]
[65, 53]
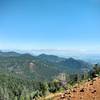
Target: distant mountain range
[42, 67]
[9, 54]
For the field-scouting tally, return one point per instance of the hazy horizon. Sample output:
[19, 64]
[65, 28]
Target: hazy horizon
[60, 53]
[50, 25]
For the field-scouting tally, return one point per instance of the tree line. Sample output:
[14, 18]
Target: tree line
[15, 88]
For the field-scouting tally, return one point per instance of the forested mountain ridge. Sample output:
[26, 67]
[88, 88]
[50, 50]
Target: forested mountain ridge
[9, 54]
[28, 77]
[42, 67]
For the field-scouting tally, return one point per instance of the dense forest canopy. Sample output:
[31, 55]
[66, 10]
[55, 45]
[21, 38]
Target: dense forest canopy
[27, 77]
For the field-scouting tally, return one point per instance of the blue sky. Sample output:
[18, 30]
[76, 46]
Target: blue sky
[50, 24]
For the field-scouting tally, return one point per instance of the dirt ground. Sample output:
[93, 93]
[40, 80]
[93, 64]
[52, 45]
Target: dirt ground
[88, 91]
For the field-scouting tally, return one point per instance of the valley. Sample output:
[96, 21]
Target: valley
[46, 77]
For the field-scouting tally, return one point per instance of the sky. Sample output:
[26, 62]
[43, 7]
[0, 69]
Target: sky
[72, 25]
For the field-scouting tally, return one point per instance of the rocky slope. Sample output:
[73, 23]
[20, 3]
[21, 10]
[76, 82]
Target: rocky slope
[88, 91]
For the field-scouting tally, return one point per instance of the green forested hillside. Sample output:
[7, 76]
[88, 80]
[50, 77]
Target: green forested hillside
[43, 67]
[13, 87]
[27, 77]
